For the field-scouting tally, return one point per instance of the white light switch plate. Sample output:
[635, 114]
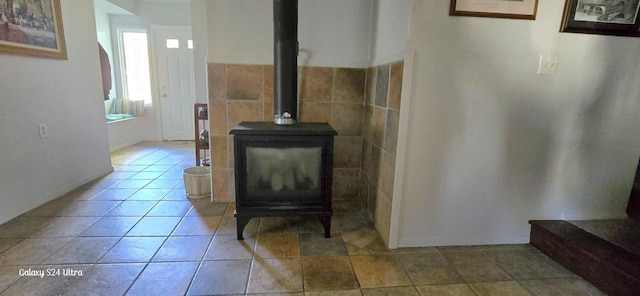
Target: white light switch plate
[548, 65]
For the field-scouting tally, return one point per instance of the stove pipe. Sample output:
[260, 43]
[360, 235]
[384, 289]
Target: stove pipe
[285, 62]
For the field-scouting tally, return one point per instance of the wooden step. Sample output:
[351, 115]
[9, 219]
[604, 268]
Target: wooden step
[605, 253]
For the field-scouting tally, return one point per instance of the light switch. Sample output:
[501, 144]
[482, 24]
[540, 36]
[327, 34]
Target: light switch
[548, 65]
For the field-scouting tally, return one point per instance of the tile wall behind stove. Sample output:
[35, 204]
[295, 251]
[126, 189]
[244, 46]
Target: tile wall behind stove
[361, 104]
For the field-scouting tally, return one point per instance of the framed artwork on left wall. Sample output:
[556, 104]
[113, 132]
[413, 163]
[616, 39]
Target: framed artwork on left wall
[32, 28]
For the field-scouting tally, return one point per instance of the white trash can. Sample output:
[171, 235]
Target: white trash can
[197, 182]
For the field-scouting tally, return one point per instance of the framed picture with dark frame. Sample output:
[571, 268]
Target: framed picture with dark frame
[32, 28]
[513, 9]
[606, 17]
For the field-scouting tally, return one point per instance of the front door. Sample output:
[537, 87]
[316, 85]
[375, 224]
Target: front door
[174, 68]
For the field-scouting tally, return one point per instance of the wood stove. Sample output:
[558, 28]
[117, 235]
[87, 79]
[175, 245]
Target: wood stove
[284, 167]
[283, 170]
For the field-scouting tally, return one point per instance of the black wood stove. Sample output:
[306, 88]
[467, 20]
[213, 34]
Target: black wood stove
[284, 167]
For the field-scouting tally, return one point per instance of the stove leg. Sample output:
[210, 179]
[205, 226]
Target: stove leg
[326, 223]
[241, 221]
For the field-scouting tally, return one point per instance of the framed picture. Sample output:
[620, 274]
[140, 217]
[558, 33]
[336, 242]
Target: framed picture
[513, 9]
[32, 28]
[607, 17]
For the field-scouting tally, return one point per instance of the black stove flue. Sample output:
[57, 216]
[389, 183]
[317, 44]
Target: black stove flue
[285, 68]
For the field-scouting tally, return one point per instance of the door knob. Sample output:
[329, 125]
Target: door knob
[164, 95]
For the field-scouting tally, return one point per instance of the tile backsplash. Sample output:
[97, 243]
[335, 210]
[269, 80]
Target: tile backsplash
[362, 105]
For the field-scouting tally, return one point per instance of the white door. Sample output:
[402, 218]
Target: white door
[174, 67]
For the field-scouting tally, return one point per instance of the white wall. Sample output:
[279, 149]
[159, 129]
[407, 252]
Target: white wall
[200, 48]
[390, 30]
[486, 144]
[332, 33]
[150, 13]
[34, 170]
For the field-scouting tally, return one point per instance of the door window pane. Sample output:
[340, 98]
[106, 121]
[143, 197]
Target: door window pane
[173, 43]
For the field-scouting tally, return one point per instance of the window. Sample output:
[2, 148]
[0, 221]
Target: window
[134, 59]
[173, 43]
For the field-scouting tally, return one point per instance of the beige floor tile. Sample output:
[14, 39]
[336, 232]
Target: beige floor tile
[133, 249]
[364, 242]
[170, 278]
[11, 274]
[32, 251]
[111, 226]
[87, 208]
[6, 243]
[328, 273]
[315, 244]
[391, 291]
[82, 250]
[123, 191]
[154, 226]
[446, 290]
[549, 287]
[428, 268]
[221, 277]
[48, 285]
[66, 227]
[135, 208]
[522, 265]
[206, 208]
[23, 226]
[228, 247]
[152, 194]
[107, 279]
[228, 226]
[176, 194]
[162, 183]
[414, 250]
[182, 248]
[82, 193]
[354, 292]
[170, 208]
[510, 288]
[275, 276]
[379, 271]
[278, 245]
[474, 266]
[348, 222]
[197, 226]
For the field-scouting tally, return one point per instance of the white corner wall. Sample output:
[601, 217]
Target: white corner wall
[390, 30]
[332, 33]
[486, 144]
[200, 48]
[66, 95]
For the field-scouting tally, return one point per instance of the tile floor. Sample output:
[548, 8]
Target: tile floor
[134, 232]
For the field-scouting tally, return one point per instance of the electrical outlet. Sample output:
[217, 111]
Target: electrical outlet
[548, 65]
[43, 130]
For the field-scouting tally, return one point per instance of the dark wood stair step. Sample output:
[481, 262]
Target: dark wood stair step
[607, 259]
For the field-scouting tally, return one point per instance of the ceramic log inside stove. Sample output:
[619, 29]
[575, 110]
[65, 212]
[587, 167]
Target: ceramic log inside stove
[283, 170]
